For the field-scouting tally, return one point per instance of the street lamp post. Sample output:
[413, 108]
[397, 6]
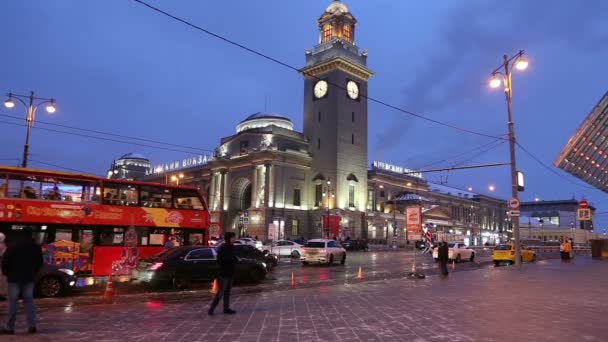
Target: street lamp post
[30, 115]
[176, 178]
[519, 63]
[328, 194]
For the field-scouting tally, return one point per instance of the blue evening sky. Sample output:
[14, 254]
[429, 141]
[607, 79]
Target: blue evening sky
[116, 66]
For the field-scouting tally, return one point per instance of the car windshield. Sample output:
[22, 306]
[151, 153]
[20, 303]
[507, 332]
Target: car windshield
[165, 253]
[451, 245]
[315, 244]
[503, 248]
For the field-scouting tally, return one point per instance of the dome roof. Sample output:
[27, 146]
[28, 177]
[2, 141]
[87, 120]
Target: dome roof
[337, 7]
[264, 119]
[133, 156]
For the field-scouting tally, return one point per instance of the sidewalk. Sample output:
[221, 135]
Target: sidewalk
[547, 301]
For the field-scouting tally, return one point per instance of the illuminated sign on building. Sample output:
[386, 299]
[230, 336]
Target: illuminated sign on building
[395, 169]
[180, 164]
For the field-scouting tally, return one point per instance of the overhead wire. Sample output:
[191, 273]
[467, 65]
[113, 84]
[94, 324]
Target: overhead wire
[289, 66]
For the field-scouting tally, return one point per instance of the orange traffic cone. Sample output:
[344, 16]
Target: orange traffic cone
[216, 287]
[293, 279]
[360, 273]
[108, 295]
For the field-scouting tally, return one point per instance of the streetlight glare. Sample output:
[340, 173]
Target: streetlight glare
[51, 108]
[521, 64]
[9, 103]
[495, 82]
[492, 187]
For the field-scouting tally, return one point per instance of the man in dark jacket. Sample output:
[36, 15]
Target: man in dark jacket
[443, 255]
[20, 263]
[227, 259]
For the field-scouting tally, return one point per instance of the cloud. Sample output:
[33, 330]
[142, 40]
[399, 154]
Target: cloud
[478, 32]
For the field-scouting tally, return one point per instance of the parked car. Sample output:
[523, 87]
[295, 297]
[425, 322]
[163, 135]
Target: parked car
[323, 251]
[457, 251]
[52, 281]
[250, 252]
[421, 244]
[251, 242]
[182, 266]
[284, 248]
[354, 245]
[506, 253]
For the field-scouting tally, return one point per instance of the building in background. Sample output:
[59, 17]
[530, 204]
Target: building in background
[585, 156]
[130, 166]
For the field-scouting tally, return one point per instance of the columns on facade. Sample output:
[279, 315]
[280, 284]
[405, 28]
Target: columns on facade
[254, 186]
[266, 184]
[222, 189]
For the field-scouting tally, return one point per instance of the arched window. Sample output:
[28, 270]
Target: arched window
[347, 33]
[327, 32]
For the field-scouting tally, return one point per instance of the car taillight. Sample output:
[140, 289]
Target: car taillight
[512, 252]
[155, 266]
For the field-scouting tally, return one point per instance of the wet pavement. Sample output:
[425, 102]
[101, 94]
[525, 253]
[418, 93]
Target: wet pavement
[545, 301]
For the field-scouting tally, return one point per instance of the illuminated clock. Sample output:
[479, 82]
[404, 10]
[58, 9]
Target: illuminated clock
[352, 89]
[320, 89]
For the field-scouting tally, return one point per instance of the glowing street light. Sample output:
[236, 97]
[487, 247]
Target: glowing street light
[30, 115]
[491, 188]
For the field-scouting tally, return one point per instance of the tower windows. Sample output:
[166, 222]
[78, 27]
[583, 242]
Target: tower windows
[296, 197]
[319, 144]
[351, 195]
[352, 138]
[347, 33]
[327, 32]
[318, 195]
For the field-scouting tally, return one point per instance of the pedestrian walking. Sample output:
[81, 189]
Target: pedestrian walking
[227, 259]
[567, 249]
[20, 263]
[3, 284]
[442, 254]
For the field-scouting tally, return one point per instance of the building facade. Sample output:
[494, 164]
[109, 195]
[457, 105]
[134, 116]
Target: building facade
[129, 166]
[585, 155]
[270, 181]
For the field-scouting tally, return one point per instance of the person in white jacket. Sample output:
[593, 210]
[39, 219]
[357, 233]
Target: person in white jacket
[3, 283]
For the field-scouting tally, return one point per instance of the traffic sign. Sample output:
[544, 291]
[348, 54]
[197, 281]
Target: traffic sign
[514, 213]
[514, 203]
[584, 214]
[583, 204]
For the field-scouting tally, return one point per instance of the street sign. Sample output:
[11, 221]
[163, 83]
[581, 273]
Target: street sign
[514, 203]
[514, 213]
[584, 214]
[583, 204]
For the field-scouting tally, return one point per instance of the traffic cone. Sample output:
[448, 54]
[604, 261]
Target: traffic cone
[215, 288]
[453, 264]
[360, 273]
[413, 267]
[108, 295]
[293, 279]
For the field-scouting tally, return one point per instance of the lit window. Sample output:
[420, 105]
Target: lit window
[327, 32]
[348, 34]
[351, 196]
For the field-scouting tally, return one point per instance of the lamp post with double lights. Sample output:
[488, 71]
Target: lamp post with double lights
[504, 78]
[176, 178]
[30, 114]
[328, 193]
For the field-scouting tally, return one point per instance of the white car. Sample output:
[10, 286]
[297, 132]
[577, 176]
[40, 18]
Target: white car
[284, 248]
[251, 242]
[457, 251]
[323, 251]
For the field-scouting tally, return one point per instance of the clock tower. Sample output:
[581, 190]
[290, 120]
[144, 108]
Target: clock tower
[335, 116]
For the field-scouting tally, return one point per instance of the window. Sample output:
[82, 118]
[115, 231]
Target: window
[382, 194]
[296, 197]
[120, 194]
[352, 118]
[198, 254]
[243, 146]
[351, 196]
[47, 187]
[348, 33]
[327, 32]
[295, 228]
[318, 195]
[370, 199]
[319, 143]
[319, 116]
[352, 138]
[154, 197]
[331, 244]
[112, 236]
[187, 199]
[315, 244]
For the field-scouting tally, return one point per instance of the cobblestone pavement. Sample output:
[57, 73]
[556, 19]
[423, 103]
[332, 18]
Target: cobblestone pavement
[547, 301]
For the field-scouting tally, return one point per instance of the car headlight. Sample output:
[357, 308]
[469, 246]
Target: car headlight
[67, 271]
[264, 264]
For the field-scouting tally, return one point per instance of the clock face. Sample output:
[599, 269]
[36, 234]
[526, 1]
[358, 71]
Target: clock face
[320, 89]
[352, 89]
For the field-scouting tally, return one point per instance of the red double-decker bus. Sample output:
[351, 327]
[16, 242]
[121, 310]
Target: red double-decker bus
[94, 225]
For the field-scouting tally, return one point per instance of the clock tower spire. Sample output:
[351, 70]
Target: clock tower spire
[335, 116]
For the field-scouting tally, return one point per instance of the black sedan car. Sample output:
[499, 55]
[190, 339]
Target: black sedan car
[182, 266]
[52, 281]
[354, 245]
[250, 252]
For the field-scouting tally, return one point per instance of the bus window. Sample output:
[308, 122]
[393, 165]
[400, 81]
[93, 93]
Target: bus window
[112, 236]
[3, 185]
[120, 194]
[23, 186]
[187, 199]
[71, 190]
[155, 197]
[63, 235]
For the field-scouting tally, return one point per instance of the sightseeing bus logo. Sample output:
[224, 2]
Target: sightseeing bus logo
[174, 217]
